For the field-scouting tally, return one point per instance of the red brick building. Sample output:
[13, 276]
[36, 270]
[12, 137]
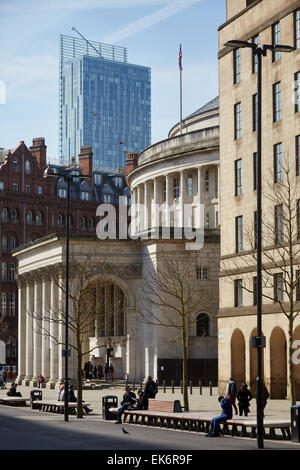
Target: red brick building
[32, 206]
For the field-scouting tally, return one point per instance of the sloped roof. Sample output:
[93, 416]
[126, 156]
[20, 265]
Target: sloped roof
[210, 106]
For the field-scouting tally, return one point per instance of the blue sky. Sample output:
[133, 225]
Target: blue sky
[150, 29]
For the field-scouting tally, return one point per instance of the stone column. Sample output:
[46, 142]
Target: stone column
[53, 333]
[146, 205]
[37, 338]
[168, 201]
[201, 205]
[139, 208]
[218, 193]
[21, 332]
[133, 212]
[61, 328]
[182, 198]
[29, 334]
[45, 329]
[156, 200]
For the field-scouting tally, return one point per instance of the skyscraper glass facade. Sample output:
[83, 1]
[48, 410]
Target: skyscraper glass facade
[103, 101]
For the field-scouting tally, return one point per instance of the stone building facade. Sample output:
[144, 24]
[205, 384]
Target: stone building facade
[33, 206]
[265, 22]
[182, 169]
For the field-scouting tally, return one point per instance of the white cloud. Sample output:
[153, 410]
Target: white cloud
[25, 76]
[150, 20]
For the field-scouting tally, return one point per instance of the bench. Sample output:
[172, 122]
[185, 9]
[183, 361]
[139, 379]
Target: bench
[162, 414]
[57, 406]
[14, 401]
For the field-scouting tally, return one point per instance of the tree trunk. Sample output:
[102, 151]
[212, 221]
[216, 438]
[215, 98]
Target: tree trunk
[79, 382]
[185, 367]
[291, 365]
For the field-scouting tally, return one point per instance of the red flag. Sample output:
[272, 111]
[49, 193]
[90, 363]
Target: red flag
[180, 58]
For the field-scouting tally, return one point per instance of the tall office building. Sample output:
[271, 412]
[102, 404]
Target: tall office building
[103, 101]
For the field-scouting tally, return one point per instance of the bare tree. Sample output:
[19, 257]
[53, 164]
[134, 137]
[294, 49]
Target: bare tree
[82, 311]
[280, 254]
[171, 299]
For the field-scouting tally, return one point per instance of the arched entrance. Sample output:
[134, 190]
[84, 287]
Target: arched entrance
[253, 363]
[107, 335]
[278, 364]
[296, 337]
[238, 357]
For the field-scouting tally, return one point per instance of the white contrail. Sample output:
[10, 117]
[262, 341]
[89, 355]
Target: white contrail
[147, 21]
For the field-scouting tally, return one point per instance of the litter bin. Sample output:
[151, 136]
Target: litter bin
[295, 423]
[35, 395]
[109, 401]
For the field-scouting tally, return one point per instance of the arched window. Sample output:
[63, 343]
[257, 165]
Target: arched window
[27, 167]
[4, 216]
[38, 218]
[29, 218]
[60, 220]
[4, 244]
[12, 243]
[14, 216]
[202, 324]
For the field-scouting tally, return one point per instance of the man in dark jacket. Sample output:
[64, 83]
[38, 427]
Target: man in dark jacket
[226, 413]
[129, 399]
[150, 390]
[244, 396]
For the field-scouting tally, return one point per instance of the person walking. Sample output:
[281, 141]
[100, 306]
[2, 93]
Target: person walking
[61, 393]
[106, 372]
[265, 397]
[41, 381]
[244, 396]
[231, 392]
[111, 373]
[226, 413]
[100, 371]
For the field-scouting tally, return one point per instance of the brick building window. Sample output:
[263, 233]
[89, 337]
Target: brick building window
[12, 271]
[2, 185]
[254, 112]
[4, 244]
[236, 65]
[15, 187]
[82, 223]
[278, 287]
[176, 187]
[297, 91]
[239, 234]
[4, 270]
[202, 273]
[297, 152]
[278, 215]
[38, 218]
[60, 220]
[15, 166]
[40, 189]
[27, 167]
[29, 218]
[4, 215]
[255, 40]
[278, 170]
[3, 303]
[238, 177]
[14, 216]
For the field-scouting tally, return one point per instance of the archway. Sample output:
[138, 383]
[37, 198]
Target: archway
[253, 363]
[278, 364]
[296, 336]
[238, 357]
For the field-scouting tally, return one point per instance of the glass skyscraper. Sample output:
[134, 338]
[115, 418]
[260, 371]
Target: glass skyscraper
[103, 101]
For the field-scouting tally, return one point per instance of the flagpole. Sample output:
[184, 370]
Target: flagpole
[180, 86]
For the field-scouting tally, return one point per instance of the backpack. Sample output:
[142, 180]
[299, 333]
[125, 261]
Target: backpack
[233, 388]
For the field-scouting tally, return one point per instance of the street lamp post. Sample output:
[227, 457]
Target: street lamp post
[259, 340]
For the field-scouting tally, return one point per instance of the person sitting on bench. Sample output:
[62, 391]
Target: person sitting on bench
[226, 413]
[13, 391]
[129, 400]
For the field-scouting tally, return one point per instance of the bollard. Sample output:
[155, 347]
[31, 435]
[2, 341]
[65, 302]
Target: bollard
[200, 387]
[210, 388]
[191, 387]
[172, 385]
[181, 387]
[164, 386]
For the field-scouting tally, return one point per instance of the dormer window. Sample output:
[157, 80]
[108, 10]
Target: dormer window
[84, 195]
[107, 198]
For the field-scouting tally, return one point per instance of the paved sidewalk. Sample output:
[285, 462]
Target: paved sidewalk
[275, 409]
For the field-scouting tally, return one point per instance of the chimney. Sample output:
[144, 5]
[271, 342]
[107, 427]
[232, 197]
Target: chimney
[38, 149]
[86, 160]
[131, 162]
